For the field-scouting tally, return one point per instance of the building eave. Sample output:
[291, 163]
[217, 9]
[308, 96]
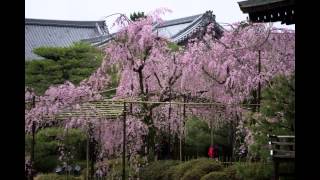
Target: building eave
[250, 6]
[269, 10]
[63, 23]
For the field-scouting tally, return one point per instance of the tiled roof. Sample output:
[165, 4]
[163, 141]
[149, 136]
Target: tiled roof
[58, 33]
[64, 33]
[184, 20]
[192, 27]
[47, 22]
[178, 30]
[100, 40]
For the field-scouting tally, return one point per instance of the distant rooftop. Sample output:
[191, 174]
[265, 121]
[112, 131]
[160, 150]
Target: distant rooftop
[64, 23]
[58, 33]
[61, 33]
[182, 29]
[183, 20]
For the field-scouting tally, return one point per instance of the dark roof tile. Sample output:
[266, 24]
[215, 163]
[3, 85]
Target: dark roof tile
[63, 33]
[47, 22]
[184, 20]
[56, 33]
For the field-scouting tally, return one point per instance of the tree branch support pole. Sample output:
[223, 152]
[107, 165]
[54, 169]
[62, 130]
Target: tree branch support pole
[181, 129]
[211, 132]
[259, 85]
[169, 145]
[87, 155]
[67, 153]
[32, 148]
[124, 143]
[33, 138]
[184, 120]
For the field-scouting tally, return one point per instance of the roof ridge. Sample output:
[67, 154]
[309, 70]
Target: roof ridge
[195, 21]
[194, 25]
[51, 22]
[181, 20]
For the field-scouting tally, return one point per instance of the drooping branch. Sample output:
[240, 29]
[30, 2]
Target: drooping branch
[213, 77]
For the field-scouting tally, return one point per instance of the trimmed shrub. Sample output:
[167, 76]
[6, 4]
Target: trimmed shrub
[82, 164]
[156, 170]
[46, 147]
[216, 176]
[198, 138]
[46, 163]
[202, 168]
[254, 171]
[177, 172]
[231, 172]
[52, 176]
[115, 166]
[191, 169]
[193, 174]
[172, 170]
[84, 172]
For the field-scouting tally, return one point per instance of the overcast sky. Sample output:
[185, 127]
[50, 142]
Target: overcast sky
[226, 11]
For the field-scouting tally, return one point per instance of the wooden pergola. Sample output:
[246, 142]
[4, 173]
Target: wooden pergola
[269, 10]
[119, 109]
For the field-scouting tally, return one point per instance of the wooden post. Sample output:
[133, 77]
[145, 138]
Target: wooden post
[66, 142]
[93, 157]
[33, 138]
[32, 147]
[169, 145]
[184, 123]
[210, 126]
[180, 139]
[124, 143]
[184, 120]
[276, 170]
[259, 85]
[87, 156]
[169, 142]
[211, 132]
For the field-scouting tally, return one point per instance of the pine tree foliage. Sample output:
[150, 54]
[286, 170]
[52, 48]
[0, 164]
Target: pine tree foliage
[61, 64]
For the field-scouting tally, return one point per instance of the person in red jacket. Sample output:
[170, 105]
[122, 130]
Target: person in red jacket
[211, 152]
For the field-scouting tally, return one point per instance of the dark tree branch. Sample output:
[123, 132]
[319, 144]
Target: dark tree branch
[139, 70]
[140, 75]
[155, 74]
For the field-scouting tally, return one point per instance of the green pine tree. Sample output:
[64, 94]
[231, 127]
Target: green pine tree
[135, 16]
[277, 115]
[73, 63]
